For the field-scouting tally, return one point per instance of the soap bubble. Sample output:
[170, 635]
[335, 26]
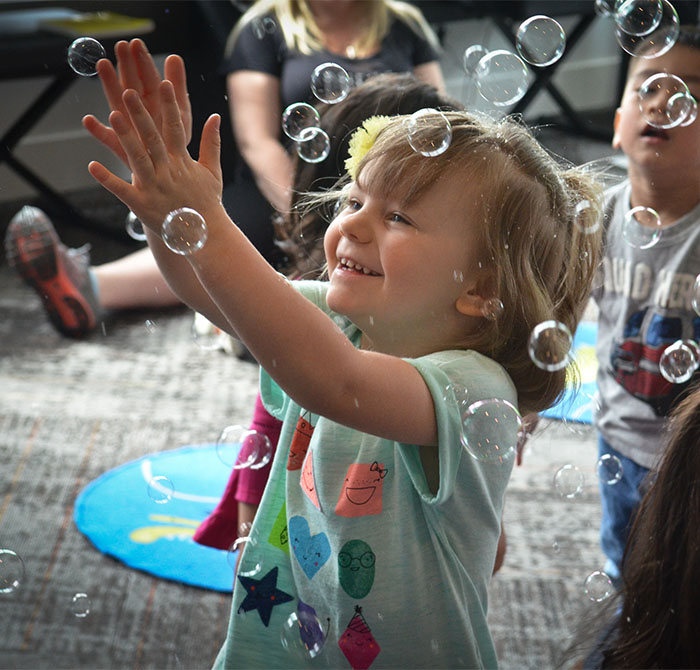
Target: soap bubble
[582, 219]
[658, 41]
[151, 326]
[664, 100]
[492, 309]
[491, 430]
[429, 132]
[330, 83]
[641, 227]
[695, 299]
[568, 481]
[228, 444]
[206, 335]
[501, 78]
[263, 25]
[598, 586]
[251, 560]
[457, 393]
[238, 545]
[692, 113]
[80, 605]
[160, 489]
[605, 8]
[134, 227]
[297, 118]
[550, 345]
[638, 17]
[314, 146]
[184, 231]
[11, 571]
[302, 633]
[472, 56]
[609, 469]
[83, 55]
[238, 448]
[540, 40]
[678, 363]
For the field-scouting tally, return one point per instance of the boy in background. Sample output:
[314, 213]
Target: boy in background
[645, 299]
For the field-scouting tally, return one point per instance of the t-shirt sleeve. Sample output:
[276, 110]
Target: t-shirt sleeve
[456, 379]
[256, 50]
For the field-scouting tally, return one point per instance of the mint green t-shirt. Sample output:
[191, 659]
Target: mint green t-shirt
[349, 535]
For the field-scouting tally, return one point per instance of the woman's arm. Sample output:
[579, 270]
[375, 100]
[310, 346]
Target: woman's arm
[254, 99]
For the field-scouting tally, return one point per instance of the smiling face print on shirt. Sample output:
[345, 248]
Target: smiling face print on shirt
[361, 493]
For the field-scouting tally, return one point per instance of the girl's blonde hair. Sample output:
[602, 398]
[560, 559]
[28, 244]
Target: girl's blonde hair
[300, 31]
[541, 231]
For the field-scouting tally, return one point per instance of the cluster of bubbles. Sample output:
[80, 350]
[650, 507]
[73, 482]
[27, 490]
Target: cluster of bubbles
[239, 448]
[83, 55]
[184, 231]
[330, 83]
[665, 101]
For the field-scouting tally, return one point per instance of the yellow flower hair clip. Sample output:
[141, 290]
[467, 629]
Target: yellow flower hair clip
[362, 140]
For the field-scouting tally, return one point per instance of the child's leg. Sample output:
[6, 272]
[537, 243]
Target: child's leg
[220, 528]
[619, 502]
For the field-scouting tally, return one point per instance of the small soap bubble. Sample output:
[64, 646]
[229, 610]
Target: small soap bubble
[330, 83]
[583, 220]
[134, 227]
[251, 561]
[263, 25]
[302, 633]
[664, 100]
[549, 345]
[151, 326]
[568, 481]
[598, 586]
[658, 41]
[11, 571]
[681, 105]
[692, 113]
[314, 146]
[605, 8]
[491, 430]
[457, 393]
[501, 78]
[228, 444]
[83, 55]
[555, 547]
[297, 118]
[641, 227]
[238, 545]
[80, 605]
[205, 334]
[638, 17]
[678, 363]
[429, 132]
[540, 41]
[184, 231]
[609, 469]
[472, 56]
[260, 445]
[244, 529]
[695, 296]
[160, 489]
[492, 309]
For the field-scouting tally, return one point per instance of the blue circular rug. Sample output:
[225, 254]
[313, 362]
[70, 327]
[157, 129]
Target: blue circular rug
[145, 512]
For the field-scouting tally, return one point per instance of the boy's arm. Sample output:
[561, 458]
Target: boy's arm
[295, 341]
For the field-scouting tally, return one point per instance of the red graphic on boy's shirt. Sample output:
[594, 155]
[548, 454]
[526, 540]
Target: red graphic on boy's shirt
[361, 493]
[357, 642]
[300, 444]
[308, 484]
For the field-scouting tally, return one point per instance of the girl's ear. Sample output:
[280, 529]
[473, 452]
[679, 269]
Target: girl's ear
[470, 304]
[616, 124]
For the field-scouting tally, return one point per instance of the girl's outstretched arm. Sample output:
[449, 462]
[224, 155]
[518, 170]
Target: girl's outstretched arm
[303, 350]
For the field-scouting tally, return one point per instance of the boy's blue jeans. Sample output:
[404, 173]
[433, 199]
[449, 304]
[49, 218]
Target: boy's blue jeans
[620, 502]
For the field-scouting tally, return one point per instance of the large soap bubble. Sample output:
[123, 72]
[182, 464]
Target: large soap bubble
[638, 17]
[540, 40]
[330, 83]
[641, 227]
[83, 55]
[429, 132]
[491, 430]
[658, 41]
[501, 78]
[297, 118]
[314, 146]
[184, 231]
[664, 100]
[549, 345]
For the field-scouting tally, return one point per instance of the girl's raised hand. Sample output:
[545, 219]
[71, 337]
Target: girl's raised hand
[136, 70]
[164, 175]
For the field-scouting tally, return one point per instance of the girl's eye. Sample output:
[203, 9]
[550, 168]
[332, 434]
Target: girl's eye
[353, 204]
[397, 218]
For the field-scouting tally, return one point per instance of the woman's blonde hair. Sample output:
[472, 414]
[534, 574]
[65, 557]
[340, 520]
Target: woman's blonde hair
[300, 31]
[541, 232]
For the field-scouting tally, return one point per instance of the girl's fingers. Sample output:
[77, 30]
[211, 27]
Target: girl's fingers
[126, 66]
[138, 156]
[148, 132]
[210, 145]
[110, 83]
[148, 74]
[106, 136]
[175, 73]
[121, 189]
[173, 130]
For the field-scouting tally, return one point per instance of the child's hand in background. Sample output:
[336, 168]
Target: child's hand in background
[164, 176]
[136, 70]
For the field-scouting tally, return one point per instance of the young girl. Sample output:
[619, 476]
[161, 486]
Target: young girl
[376, 522]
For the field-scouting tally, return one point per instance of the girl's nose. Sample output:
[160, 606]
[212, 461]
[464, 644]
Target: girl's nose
[356, 227]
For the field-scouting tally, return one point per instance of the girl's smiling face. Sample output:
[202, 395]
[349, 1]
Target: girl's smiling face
[400, 270]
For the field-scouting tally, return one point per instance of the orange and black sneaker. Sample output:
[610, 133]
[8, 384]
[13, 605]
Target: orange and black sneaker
[60, 276]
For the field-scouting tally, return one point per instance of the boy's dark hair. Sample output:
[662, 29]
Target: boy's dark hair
[388, 94]
[688, 36]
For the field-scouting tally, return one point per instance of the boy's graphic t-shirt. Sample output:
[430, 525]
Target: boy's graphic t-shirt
[378, 571]
[645, 300]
